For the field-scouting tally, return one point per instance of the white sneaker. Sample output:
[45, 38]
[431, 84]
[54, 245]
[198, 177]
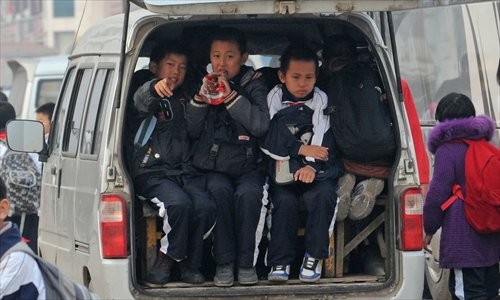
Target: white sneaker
[310, 271]
[279, 273]
[363, 198]
[344, 189]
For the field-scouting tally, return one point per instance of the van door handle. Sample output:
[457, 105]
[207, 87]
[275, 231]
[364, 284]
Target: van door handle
[53, 170]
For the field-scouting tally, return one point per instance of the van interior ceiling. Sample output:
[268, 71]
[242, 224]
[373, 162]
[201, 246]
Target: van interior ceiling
[267, 37]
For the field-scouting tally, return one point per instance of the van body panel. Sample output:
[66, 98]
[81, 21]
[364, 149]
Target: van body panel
[214, 7]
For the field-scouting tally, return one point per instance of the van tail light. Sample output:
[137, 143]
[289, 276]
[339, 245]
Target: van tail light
[112, 216]
[412, 224]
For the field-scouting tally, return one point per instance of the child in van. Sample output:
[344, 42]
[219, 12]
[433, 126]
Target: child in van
[299, 133]
[227, 151]
[159, 168]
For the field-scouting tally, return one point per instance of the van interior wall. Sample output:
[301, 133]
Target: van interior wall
[267, 39]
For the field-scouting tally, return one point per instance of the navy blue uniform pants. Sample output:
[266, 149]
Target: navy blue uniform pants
[188, 214]
[319, 199]
[241, 211]
[475, 283]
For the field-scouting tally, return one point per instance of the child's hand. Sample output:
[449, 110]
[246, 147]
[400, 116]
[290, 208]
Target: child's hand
[163, 89]
[305, 174]
[225, 82]
[316, 152]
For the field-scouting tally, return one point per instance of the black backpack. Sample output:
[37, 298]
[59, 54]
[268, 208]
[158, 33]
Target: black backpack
[226, 146]
[359, 117]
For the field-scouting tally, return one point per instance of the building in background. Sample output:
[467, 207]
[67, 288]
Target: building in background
[32, 28]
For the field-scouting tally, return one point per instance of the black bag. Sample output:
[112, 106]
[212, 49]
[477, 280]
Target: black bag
[360, 119]
[226, 146]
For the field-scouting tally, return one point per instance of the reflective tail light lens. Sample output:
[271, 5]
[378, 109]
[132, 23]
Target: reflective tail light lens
[112, 216]
[412, 224]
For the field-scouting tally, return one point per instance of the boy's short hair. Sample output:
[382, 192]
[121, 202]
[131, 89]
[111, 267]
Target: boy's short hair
[297, 52]
[164, 48]
[46, 109]
[230, 34]
[3, 189]
[454, 106]
[7, 113]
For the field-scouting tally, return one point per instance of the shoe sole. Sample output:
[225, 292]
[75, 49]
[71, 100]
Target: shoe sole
[155, 285]
[345, 185]
[223, 284]
[277, 278]
[310, 280]
[248, 282]
[362, 204]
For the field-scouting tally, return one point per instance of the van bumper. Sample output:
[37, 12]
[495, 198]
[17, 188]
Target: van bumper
[113, 279]
[412, 281]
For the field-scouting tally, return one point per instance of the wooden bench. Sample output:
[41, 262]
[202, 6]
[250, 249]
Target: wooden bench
[333, 266]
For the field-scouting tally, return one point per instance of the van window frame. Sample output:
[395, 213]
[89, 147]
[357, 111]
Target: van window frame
[67, 86]
[69, 147]
[104, 95]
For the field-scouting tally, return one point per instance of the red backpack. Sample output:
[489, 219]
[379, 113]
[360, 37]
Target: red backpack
[482, 182]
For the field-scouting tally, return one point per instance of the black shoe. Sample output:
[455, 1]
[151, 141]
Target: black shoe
[160, 272]
[224, 275]
[190, 275]
[247, 276]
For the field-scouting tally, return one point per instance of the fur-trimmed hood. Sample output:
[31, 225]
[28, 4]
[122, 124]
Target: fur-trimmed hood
[471, 128]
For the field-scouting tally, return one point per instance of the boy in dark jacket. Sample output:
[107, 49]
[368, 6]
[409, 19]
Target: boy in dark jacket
[159, 169]
[228, 152]
[299, 133]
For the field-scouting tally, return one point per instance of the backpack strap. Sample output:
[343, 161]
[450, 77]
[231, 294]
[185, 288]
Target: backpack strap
[144, 132]
[19, 246]
[457, 194]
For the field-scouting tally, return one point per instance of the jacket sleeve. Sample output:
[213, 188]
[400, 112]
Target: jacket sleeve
[252, 114]
[196, 113]
[145, 98]
[440, 189]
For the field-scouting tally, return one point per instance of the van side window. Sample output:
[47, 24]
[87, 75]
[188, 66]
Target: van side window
[73, 124]
[47, 91]
[60, 113]
[92, 132]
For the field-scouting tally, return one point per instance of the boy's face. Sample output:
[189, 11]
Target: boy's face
[226, 58]
[173, 67]
[44, 118]
[4, 211]
[300, 77]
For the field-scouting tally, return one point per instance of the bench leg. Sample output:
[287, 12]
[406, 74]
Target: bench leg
[329, 263]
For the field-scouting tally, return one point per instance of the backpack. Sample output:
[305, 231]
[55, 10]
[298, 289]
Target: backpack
[482, 182]
[226, 146]
[22, 178]
[359, 117]
[57, 284]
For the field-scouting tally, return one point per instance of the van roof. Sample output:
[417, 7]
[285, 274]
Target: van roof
[45, 65]
[105, 37]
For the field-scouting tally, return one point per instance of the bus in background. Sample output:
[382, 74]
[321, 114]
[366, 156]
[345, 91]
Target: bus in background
[35, 81]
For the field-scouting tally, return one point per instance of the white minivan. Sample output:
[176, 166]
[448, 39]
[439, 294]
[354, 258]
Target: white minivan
[35, 81]
[93, 227]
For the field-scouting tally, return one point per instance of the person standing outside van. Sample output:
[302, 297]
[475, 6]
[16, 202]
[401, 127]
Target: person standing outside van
[228, 152]
[296, 105]
[472, 257]
[20, 277]
[44, 114]
[159, 168]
